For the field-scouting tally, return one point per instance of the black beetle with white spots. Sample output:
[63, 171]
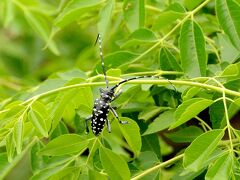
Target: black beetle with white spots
[102, 105]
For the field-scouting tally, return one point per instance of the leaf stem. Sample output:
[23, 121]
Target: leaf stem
[226, 115]
[203, 122]
[170, 161]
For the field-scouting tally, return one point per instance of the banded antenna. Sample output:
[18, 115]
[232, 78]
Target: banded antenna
[99, 40]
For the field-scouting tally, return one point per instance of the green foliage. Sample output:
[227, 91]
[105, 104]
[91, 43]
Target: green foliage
[50, 74]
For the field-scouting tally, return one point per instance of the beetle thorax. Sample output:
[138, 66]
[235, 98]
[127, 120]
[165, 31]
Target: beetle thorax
[106, 94]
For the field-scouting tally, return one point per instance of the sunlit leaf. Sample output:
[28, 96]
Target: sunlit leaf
[65, 144]
[39, 24]
[58, 108]
[166, 18]
[38, 122]
[201, 148]
[162, 122]
[115, 166]
[192, 49]
[228, 18]
[105, 17]
[117, 59]
[10, 147]
[134, 13]
[18, 134]
[74, 9]
[131, 133]
[189, 109]
[8, 12]
[221, 169]
[184, 135]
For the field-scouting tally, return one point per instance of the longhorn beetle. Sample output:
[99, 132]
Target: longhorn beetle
[102, 105]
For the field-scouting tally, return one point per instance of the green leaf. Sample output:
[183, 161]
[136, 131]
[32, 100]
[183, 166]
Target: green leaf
[216, 112]
[117, 59]
[114, 72]
[71, 172]
[105, 17]
[134, 14]
[47, 173]
[167, 61]
[60, 130]
[151, 112]
[38, 121]
[4, 165]
[192, 49]
[10, 147]
[65, 144]
[39, 24]
[166, 18]
[114, 165]
[189, 109]
[221, 169]
[162, 122]
[96, 175]
[233, 109]
[8, 12]
[190, 93]
[147, 160]
[18, 134]
[151, 143]
[232, 72]
[201, 148]
[75, 9]
[58, 108]
[184, 135]
[227, 50]
[131, 133]
[142, 35]
[83, 96]
[228, 18]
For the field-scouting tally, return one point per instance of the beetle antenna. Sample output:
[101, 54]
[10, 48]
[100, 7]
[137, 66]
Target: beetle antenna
[99, 40]
[140, 77]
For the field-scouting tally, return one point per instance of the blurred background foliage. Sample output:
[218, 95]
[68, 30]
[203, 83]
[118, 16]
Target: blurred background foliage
[46, 44]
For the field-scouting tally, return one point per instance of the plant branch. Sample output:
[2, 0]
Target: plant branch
[159, 82]
[170, 161]
[160, 41]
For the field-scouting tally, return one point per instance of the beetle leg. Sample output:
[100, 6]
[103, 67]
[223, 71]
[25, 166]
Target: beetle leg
[116, 115]
[108, 126]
